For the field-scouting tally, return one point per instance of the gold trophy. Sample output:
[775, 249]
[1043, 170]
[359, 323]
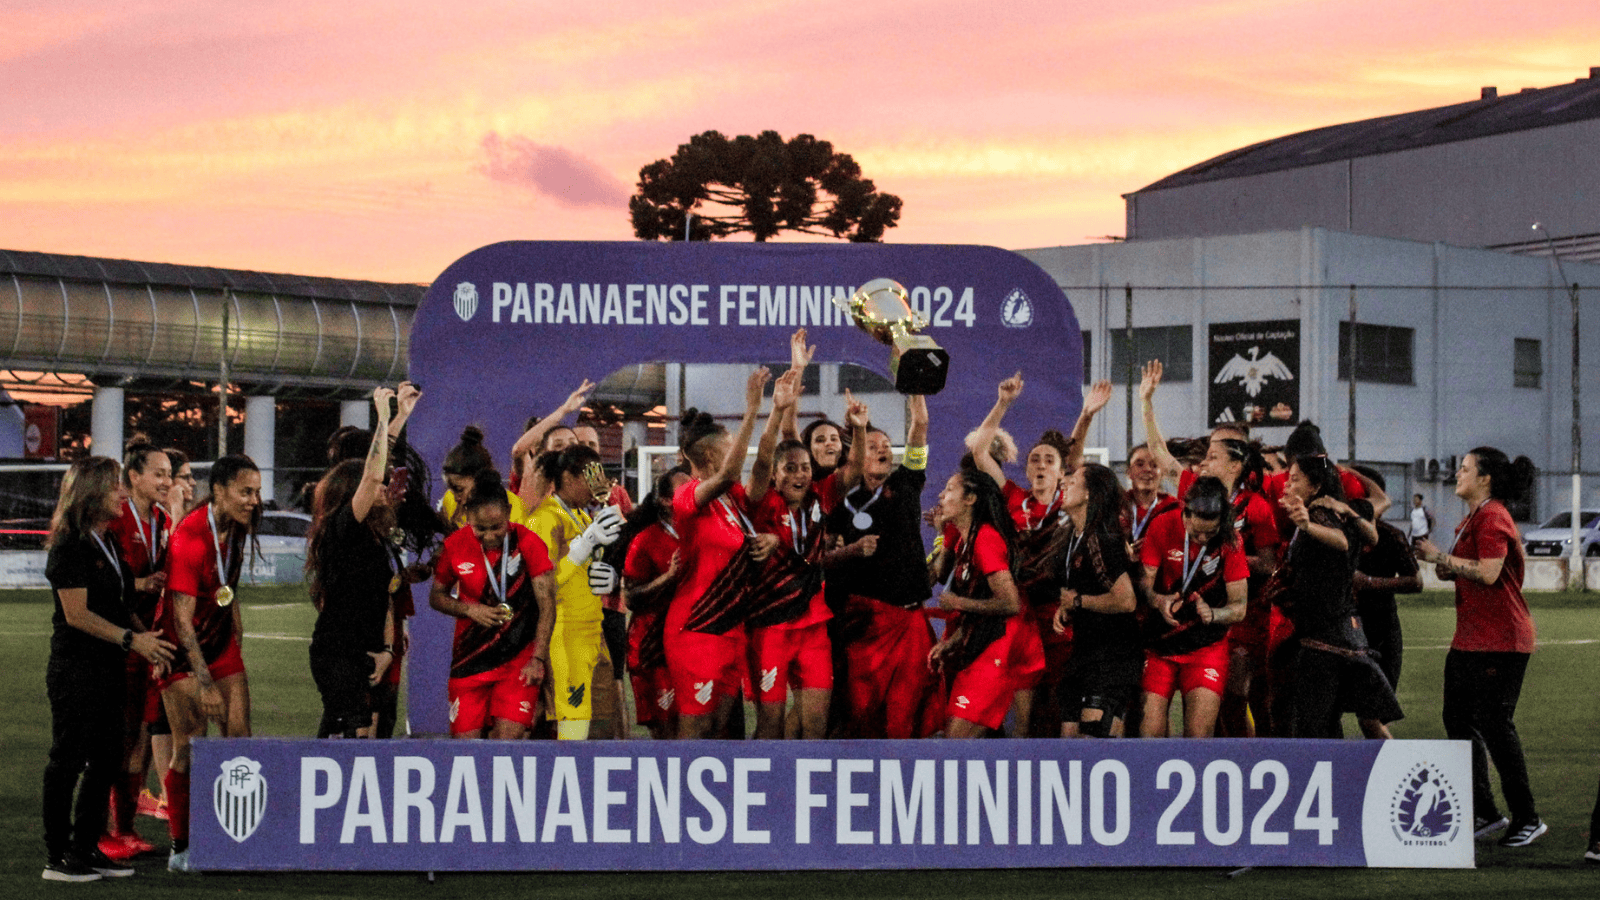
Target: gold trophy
[599, 484]
[917, 364]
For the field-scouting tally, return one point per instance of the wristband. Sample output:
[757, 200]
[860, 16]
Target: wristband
[916, 458]
[387, 648]
[127, 640]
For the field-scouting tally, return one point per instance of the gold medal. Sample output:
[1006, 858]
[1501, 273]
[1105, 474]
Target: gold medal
[224, 596]
[505, 611]
[394, 583]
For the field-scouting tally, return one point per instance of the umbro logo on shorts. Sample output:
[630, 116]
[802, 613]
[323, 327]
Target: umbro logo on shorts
[665, 699]
[525, 706]
[1212, 674]
[769, 677]
[962, 701]
[702, 691]
[455, 709]
[465, 568]
[575, 695]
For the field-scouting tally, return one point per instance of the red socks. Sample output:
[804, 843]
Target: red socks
[177, 784]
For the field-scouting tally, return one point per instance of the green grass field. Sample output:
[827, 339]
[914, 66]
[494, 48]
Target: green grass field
[1559, 720]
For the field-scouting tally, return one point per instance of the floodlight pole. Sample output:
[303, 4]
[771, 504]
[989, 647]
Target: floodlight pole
[1575, 574]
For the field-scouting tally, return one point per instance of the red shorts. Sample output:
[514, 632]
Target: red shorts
[891, 692]
[1206, 668]
[652, 696]
[498, 692]
[704, 667]
[982, 692]
[780, 654]
[229, 663]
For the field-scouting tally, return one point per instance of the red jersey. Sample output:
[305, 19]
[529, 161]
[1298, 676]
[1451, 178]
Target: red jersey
[1164, 551]
[192, 560]
[772, 516]
[1140, 517]
[711, 535]
[464, 562]
[650, 554]
[143, 544]
[1027, 513]
[1491, 617]
[989, 555]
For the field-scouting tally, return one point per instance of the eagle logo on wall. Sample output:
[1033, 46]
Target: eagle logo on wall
[1253, 373]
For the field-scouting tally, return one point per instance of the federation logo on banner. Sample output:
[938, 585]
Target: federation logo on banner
[1017, 310]
[239, 797]
[466, 300]
[1425, 809]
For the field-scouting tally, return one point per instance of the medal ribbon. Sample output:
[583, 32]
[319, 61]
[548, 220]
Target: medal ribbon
[1055, 504]
[856, 511]
[1140, 523]
[104, 548]
[797, 532]
[216, 544]
[154, 541]
[738, 515]
[499, 587]
[1189, 571]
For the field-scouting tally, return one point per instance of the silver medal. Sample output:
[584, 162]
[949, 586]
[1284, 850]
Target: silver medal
[862, 520]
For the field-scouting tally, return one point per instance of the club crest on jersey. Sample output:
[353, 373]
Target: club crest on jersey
[702, 692]
[1210, 566]
[575, 695]
[239, 797]
[455, 709]
[664, 700]
[769, 677]
[466, 300]
[513, 564]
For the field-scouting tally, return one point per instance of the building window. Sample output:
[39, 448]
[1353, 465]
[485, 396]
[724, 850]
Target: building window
[1172, 344]
[1527, 366]
[1086, 355]
[1383, 353]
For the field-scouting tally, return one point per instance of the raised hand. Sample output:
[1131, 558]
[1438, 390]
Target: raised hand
[576, 398]
[1149, 378]
[786, 390]
[1099, 396]
[800, 352]
[1010, 389]
[755, 385]
[856, 414]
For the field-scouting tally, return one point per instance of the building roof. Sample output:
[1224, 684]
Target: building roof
[122, 271]
[1489, 115]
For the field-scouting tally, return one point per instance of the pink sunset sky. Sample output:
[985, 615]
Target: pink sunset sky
[383, 140]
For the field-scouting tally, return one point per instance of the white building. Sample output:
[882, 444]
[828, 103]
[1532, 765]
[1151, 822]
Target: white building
[1455, 348]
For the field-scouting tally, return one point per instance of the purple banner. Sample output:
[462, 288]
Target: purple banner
[443, 805]
[510, 329]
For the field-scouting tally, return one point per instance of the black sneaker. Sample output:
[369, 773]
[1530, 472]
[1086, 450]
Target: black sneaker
[1592, 857]
[69, 867]
[105, 865]
[1524, 834]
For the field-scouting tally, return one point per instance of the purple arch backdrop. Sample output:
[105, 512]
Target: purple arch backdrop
[508, 330]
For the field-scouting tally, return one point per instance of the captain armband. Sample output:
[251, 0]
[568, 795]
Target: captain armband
[916, 458]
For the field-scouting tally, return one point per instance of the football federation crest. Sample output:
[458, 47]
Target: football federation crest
[1017, 310]
[239, 797]
[466, 300]
[1425, 809]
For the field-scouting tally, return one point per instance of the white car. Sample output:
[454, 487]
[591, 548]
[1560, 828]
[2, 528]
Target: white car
[1554, 538]
[283, 548]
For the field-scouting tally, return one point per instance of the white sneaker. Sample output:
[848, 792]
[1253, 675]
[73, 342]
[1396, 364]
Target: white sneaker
[1593, 855]
[70, 868]
[179, 862]
[1484, 828]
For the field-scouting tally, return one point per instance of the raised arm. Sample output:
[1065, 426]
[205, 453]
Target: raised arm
[1376, 495]
[1150, 378]
[917, 436]
[732, 464]
[408, 395]
[785, 392]
[800, 354]
[534, 436]
[981, 439]
[1097, 398]
[856, 416]
[377, 459]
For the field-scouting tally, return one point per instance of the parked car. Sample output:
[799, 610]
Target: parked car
[283, 547]
[1554, 538]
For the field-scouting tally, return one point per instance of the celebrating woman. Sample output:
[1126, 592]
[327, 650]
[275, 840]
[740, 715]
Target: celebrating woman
[354, 570]
[93, 630]
[649, 575]
[564, 520]
[1196, 579]
[1493, 639]
[710, 513]
[1331, 670]
[978, 649]
[140, 531]
[504, 601]
[1097, 602]
[207, 682]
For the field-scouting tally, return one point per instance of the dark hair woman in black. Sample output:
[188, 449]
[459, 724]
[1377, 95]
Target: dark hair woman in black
[92, 632]
[1332, 672]
[1097, 600]
[1493, 640]
[354, 570]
